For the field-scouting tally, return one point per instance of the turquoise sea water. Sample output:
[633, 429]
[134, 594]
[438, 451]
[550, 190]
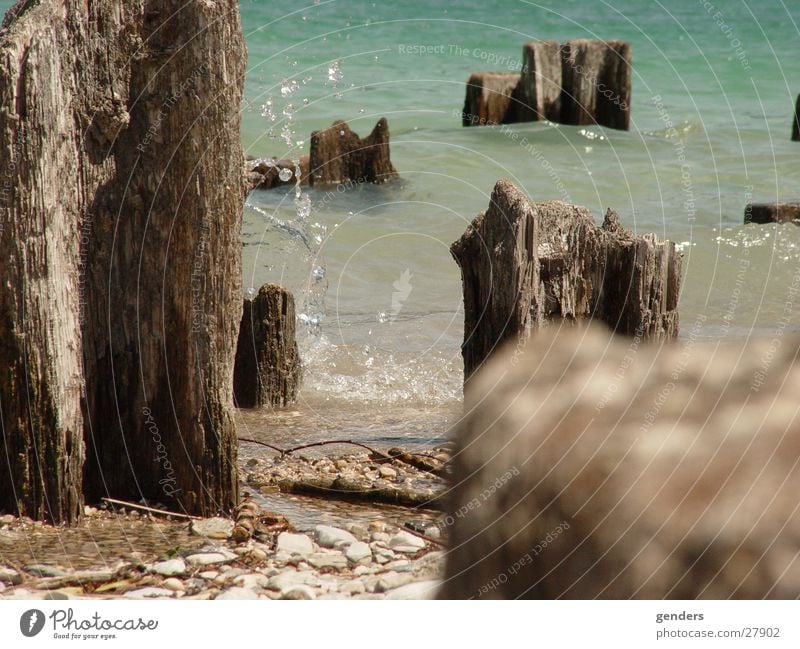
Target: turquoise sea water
[714, 86]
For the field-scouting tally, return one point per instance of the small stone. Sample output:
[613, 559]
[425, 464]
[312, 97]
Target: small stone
[354, 587]
[174, 584]
[387, 472]
[7, 519]
[9, 576]
[55, 595]
[299, 591]
[359, 571]
[170, 568]
[213, 528]
[416, 590]
[40, 570]
[390, 581]
[208, 575]
[294, 543]
[332, 537]
[328, 560]
[209, 558]
[380, 537]
[258, 554]
[292, 577]
[252, 581]
[150, 592]
[405, 542]
[89, 511]
[237, 593]
[358, 551]
[400, 565]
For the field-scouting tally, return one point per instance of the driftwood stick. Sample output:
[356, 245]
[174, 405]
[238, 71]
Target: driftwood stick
[424, 537]
[269, 446]
[288, 451]
[152, 510]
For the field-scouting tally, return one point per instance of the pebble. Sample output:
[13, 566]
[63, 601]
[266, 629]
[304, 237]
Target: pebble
[291, 578]
[358, 551]
[7, 519]
[149, 592]
[380, 537]
[170, 568]
[299, 591]
[252, 581]
[390, 581]
[359, 571]
[258, 554]
[208, 558]
[39, 570]
[294, 544]
[237, 593]
[354, 587]
[208, 575]
[359, 531]
[328, 560]
[332, 537]
[405, 542]
[400, 565]
[56, 595]
[9, 576]
[174, 584]
[213, 528]
[415, 590]
[387, 472]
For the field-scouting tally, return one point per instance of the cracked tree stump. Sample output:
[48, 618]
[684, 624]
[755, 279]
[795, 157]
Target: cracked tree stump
[524, 264]
[337, 155]
[267, 370]
[492, 98]
[772, 213]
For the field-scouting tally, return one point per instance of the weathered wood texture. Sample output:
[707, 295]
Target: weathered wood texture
[607, 469]
[541, 81]
[524, 264]
[337, 155]
[796, 122]
[491, 98]
[596, 83]
[583, 82]
[771, 212]
[121, 225]
[267, 370]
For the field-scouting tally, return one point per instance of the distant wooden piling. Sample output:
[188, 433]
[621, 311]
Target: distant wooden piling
[267, 370]
[490, 98]
[583, 82]
[524, 264]
[338, 155]
[772, 212]
[796, 122]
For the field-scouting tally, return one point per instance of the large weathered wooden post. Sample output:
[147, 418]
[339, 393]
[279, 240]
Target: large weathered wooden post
[120, 294]
[523, 264]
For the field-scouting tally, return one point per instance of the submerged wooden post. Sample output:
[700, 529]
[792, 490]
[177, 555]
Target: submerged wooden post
[541, 81]
[491, 98]
[337, 155]
[796, 122]
[267, 370]
[524, 264]
[772, 212]
[596, 83]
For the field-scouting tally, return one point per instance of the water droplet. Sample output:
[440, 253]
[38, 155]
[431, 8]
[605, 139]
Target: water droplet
[318, 272]
[288, 87]
[305, 101]
[361, 110]
[250, 293]
[382, 317]
[285, 174]
[334, 72]
[303, 206]
[341, 133]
